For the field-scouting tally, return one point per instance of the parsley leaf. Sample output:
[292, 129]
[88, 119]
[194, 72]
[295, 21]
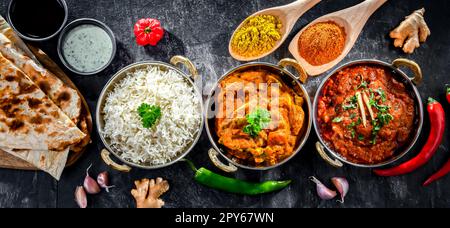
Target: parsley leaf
[257, 120]
[337, 119]
[382, 108]
[385, 118]
[372, 101]
[382, 94]
[149, 114]
[354, 99]
[352, 104]
[381, 120]
[348, 106]
[354, 124]
[363, 83]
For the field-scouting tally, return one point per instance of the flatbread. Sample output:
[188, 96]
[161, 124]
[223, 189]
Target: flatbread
[28, 118]
[85, 118]
[62, 95]
[51, 162]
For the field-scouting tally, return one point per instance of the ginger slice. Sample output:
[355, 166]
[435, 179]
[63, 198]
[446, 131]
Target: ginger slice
[361, 108]
[147, 192]
[367, 103]
[413, 29]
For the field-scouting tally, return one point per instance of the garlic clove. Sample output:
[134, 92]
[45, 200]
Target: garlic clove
[89, 184]
[103, 181]
[322, 191]
[80, 197]
[342, 186]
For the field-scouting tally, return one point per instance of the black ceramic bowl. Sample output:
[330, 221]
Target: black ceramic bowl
[23, 36]
[84, 21]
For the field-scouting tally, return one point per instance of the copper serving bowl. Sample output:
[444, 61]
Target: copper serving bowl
[290, 80]
[117, 78]
[399, 75]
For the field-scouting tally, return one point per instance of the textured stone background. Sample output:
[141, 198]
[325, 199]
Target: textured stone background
[200, 30]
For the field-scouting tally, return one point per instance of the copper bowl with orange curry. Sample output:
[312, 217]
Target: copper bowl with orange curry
[260, 90]
[368, 113]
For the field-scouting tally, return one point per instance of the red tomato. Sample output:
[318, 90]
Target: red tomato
[148, 31]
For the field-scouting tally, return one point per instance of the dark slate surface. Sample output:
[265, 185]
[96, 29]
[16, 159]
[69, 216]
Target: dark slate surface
[200, 30]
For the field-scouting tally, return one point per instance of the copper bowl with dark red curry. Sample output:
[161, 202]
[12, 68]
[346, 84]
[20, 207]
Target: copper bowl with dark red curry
[368, 113]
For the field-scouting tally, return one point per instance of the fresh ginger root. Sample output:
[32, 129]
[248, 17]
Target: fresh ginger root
[147, 192]
[413, 29]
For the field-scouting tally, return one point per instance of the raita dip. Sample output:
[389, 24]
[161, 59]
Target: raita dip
[87, 48]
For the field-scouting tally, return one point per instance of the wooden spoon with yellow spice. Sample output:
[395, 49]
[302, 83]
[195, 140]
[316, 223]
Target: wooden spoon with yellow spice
[264, 31]
[327, 40]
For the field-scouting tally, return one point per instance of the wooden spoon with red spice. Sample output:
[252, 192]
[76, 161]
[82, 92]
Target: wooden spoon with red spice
[287, 14]
[351, 20]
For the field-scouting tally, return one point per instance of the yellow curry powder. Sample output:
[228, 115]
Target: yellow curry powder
[257, 35]
[321, 43]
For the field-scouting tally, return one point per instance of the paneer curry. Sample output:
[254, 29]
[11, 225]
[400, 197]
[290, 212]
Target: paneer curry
[259, 118]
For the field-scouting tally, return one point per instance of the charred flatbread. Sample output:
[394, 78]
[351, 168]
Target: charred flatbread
[84, 120]
[28, 118]
[62, 95]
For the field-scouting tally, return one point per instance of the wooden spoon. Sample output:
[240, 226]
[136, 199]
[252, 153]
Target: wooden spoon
[351, 19]
[287, 14]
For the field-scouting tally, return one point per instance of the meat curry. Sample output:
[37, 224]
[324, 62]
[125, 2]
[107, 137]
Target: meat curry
[365, 114]
[243, 98]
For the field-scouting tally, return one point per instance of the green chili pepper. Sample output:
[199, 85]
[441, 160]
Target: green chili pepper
[216, 181]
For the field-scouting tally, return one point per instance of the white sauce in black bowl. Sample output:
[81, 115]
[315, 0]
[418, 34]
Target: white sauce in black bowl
[86, 47]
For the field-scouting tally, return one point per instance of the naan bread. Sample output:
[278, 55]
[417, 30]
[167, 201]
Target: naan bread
[28, 118]
[84, 119]
[51, 162]
[62, 95]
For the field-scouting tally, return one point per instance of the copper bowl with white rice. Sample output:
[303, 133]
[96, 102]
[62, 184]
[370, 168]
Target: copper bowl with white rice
[158, 83]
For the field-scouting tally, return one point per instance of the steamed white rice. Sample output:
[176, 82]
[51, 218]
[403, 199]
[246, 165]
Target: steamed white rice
[173, 132]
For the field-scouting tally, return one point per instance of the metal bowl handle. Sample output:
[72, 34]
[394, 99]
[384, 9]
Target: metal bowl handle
[230, 168]
[105, 155]
[417, 79]
[321, 150]
[186, 62]
[303, 76]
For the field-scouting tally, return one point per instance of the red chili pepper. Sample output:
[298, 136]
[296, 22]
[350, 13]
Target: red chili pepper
[148, 31]
[446, 168]
[439, 174]
[437, 121]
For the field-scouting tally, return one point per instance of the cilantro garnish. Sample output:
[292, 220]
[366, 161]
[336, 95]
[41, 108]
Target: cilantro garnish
[257, 120]
[149, 114]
